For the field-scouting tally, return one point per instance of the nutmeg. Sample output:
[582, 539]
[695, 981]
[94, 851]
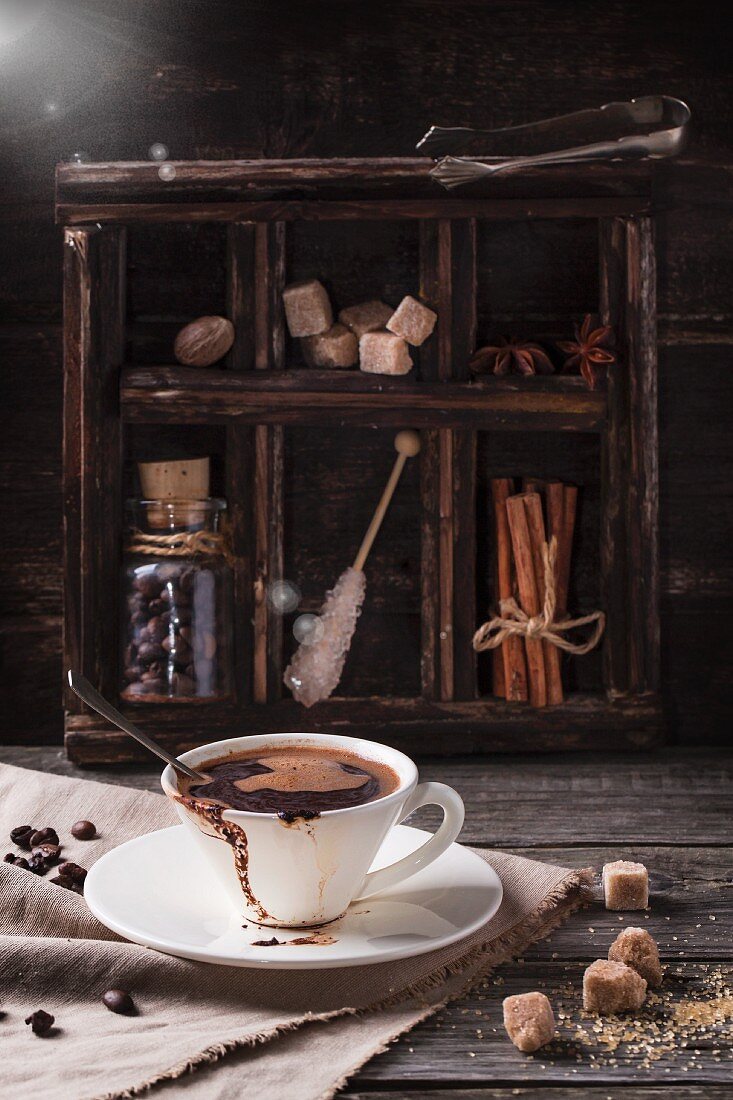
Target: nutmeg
[204, 341]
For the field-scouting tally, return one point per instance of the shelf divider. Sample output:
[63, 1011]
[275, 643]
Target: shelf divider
[240, 451]
[94, 328]
[269, 456]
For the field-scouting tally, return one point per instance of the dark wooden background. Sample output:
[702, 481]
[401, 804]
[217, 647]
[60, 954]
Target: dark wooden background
[226, 79]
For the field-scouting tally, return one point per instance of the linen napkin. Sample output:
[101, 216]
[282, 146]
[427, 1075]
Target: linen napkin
[296, 1035]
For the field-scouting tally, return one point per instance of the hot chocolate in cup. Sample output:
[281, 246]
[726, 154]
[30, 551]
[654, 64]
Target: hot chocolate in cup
[290, 823]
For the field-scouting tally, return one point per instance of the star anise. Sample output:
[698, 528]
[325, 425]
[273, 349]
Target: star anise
[589, 351]
[511, 354]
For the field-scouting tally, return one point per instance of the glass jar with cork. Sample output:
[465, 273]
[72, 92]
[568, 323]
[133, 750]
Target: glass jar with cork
[177, 579]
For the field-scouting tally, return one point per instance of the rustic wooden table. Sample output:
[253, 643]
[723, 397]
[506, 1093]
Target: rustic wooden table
[669, 809]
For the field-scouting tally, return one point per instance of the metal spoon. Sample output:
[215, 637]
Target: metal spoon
[93, 699]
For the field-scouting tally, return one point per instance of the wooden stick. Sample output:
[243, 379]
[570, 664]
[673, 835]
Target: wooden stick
[528, 596]
[407, 443]
[512, 650]
[536, 525]
[533, 485]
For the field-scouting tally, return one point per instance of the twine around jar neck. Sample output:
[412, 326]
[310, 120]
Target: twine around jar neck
[184, 544]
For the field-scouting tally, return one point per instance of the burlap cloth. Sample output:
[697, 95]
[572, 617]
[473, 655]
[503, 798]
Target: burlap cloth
[266, 1035]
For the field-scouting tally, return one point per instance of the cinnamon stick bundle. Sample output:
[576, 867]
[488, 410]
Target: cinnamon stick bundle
[525, 666]
[510, 654]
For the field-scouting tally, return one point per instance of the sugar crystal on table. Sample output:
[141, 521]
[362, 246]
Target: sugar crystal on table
[625, 885]
[412, 321]
[529, 1020]
[611, 987]
[307, 308]
[636, 948]
[336, 347]
[366, 317]
[384, 353]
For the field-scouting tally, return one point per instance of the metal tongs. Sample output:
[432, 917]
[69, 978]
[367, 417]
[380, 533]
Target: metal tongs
[651, 126]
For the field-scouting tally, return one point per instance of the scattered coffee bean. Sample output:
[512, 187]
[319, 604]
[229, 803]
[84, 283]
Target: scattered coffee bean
[83, 830]
[48, 852]
[67, 883]
[40, 1021]
[37, 865]
[119, 1000]
[72, 871]
[22, 836]
[17, 861]
[44, 836]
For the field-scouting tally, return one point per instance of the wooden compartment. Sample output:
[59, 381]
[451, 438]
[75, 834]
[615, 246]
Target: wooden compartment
[356, 261]
[298, 452]
[333, 479]
[574, 459]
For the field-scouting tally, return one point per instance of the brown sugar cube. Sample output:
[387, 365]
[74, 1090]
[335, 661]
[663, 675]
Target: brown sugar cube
[610, 987]
[625, 885]
[365, 317]
[529, 1020]
[307, 308]
[412, 321]
[636, 948]
[384, 353]
[336, 347]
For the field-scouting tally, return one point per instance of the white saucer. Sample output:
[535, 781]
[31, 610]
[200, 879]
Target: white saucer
[158, 891]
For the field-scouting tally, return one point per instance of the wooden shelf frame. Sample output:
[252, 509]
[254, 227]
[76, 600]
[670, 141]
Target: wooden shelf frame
[257, 397]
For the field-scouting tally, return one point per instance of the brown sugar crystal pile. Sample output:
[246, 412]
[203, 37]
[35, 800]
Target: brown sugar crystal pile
[667, 1028]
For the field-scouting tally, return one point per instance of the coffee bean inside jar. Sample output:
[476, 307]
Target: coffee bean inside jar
[177, 603]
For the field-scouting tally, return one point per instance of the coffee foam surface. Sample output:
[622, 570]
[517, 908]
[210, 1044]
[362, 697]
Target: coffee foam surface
[294, 773]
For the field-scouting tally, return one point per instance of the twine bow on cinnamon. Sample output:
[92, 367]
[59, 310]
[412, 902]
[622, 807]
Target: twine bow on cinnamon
[513, 621]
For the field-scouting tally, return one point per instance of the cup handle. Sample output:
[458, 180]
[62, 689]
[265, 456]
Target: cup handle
[426, 794]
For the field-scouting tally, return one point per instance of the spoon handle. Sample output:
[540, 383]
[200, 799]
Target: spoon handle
[93, 699]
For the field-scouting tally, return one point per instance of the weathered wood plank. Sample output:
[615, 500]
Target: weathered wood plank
[267, 491]
[358, 210]
[463, 471]
[691, 902]
[430, 565]
[94, 304]
[240, 450]
[436, 290]
[365, 179]
[677, 796]
[455, 1090]
[187, 395]
[643, 488]
[414, 725]
[614, 457]
[466, 1042]
[446, 564]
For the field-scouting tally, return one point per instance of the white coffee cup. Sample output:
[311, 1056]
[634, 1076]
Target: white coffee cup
[307, 873]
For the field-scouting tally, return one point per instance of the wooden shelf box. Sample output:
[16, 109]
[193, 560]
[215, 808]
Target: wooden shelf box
[303, 452]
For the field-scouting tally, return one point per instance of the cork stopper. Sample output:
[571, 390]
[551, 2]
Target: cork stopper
[178, 480]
